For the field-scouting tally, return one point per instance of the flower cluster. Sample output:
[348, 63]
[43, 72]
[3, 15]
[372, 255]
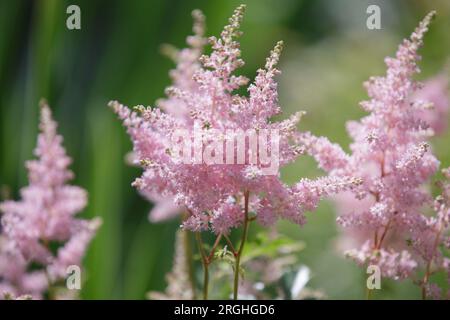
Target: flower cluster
[41, 229]
[203, 96]
[385, 215]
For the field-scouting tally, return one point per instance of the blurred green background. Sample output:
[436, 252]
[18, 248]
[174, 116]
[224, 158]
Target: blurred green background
[329, 52]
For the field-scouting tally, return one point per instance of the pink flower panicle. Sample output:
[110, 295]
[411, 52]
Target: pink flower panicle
[44, 215]
[390, 153]
[204, 97]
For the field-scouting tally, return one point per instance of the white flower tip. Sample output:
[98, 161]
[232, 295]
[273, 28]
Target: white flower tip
[169, 51]
[199, 22]
[95, 223]
[43, 103]
[114, 104]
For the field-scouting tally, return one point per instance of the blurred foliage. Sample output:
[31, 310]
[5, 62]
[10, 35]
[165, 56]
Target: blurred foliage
[329, 52]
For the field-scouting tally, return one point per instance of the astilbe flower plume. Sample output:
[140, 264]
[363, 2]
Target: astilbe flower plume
[203, 97]
[435, 92]
[391, 154]
[43, 219]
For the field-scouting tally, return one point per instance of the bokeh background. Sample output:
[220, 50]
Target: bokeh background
[328, 53]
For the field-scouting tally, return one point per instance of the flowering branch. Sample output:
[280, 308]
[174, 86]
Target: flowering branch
[383, 217]
[204, 99]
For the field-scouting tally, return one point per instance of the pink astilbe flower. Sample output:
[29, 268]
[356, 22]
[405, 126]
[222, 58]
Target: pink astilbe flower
[203, 99]
[390, 153]
[46, 214]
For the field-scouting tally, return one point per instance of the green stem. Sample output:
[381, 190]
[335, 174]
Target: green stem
[198, 237]
[188, 261]
[206, 260]
[241, 248]
[213, 250]
[230, 244]
[205, 281]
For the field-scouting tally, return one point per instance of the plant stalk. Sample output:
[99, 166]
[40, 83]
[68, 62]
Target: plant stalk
[198, 237]
[241, 248]
[188, 261]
